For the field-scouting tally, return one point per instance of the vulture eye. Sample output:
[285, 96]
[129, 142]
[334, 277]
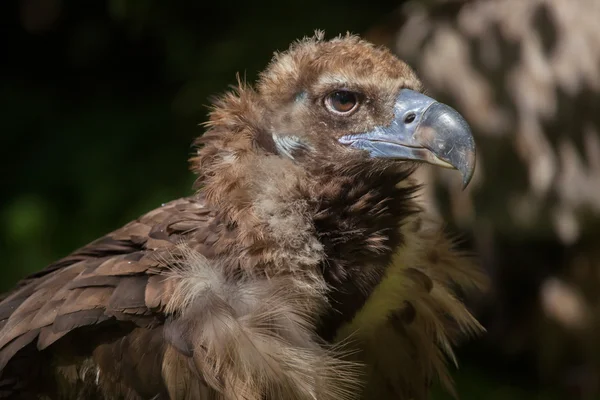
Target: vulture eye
[341, 102]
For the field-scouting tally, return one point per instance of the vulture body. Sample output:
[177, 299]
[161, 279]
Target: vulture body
[302, 268]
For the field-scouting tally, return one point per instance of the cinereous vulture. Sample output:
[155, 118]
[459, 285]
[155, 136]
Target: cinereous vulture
[301, 268]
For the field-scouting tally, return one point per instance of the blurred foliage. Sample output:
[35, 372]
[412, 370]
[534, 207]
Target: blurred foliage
[472, 384]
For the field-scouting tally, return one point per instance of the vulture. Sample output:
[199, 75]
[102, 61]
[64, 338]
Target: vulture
[302, 267]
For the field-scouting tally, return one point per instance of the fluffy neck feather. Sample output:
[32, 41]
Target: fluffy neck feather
[339, 218]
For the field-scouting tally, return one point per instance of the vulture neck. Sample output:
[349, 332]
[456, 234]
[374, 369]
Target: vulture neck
[338, 216]
[336, 220]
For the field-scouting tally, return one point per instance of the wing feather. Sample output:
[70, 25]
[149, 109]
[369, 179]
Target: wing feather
[118, 278]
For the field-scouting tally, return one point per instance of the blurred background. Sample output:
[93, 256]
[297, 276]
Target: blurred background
[101, 99]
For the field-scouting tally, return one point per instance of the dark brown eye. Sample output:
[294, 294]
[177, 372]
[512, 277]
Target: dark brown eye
[341, 102]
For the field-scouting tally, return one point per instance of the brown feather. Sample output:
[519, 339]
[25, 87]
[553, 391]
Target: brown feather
[48, 336]
[83, 281]
[158, 289]
[14, 346]
[130, 293]
[68, 322]
[46, 315]
[116, 266]
[85, 299]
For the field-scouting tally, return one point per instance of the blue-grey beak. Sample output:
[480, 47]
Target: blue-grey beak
[422, 130]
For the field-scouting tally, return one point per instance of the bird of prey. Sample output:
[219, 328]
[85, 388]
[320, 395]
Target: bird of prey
[301, 268]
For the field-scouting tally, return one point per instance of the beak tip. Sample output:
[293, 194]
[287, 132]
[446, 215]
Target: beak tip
[465, 182]
[467, 172]
[448, 136]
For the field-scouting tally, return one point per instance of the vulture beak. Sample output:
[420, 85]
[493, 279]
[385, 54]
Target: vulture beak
[422, 130]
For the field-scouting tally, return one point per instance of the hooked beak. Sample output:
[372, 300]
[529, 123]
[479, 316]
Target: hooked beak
[422, 130]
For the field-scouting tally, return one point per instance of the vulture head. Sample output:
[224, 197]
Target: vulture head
[345, 100]
[323, 148]
[304, 232]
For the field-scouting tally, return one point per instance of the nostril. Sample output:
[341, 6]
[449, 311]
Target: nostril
[410, 117]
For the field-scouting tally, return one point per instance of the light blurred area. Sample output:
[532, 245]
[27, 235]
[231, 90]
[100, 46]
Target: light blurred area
[526, 75]
[101, 99]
